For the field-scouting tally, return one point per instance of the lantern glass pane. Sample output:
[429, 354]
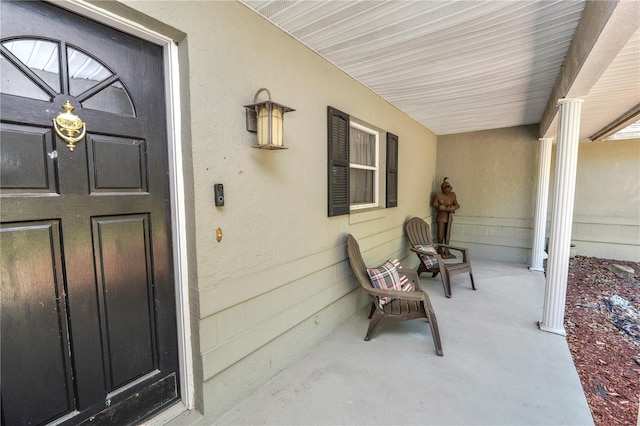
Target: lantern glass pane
[263, 124]
[276, 125]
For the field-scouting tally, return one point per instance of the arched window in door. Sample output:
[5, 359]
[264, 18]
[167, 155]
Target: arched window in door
[34, 68]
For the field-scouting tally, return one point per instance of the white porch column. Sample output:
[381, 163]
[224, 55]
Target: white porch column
[562, 215]
[540, 226]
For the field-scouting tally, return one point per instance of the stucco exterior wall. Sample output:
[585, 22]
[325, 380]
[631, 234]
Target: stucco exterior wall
[493, 173]
[279, 280]
[606, 221]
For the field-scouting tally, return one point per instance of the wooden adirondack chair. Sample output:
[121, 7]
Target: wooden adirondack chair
[419, 234]
[406, 305]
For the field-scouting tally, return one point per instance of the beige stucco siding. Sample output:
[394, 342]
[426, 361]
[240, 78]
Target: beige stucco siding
[278, 281]
[606, 221]
[493, 174]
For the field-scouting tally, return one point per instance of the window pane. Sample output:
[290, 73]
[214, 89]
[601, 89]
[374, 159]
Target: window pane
[361, 186]
[84, 71]
[39, 55]
[14, 82]
[113, 99]
[362, 146]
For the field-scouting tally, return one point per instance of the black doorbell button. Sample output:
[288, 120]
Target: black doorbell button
[219, 194]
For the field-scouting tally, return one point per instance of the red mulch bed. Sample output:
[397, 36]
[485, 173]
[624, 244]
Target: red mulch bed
[606, 355]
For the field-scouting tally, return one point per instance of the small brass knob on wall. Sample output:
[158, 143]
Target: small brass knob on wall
[218, 235]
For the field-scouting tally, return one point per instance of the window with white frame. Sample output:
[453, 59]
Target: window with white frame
[354, 176]
[363, 166]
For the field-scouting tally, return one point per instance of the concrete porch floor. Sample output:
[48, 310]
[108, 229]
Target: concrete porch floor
[497, 369]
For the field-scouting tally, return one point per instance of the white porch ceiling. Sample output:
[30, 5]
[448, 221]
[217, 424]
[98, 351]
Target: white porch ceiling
[459, 66]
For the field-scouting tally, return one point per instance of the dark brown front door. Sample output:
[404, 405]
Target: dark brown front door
[88, 323]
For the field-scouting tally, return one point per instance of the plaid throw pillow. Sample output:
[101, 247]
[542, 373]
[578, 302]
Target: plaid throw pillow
[428, 261]
[386, 277]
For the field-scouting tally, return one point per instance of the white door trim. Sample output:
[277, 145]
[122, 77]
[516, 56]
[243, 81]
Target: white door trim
[178, 213]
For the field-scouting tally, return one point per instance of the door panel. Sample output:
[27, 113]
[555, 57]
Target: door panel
[26, 168]
[95, 221]
[117, 164]
[36, 370]
[123, 263]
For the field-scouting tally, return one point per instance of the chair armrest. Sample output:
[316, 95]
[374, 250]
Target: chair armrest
[416, 250]
[394, 294]
[463, 250]
[451, 247]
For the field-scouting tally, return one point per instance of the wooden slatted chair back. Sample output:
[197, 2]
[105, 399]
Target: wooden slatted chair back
[418, 232]
[357, 263]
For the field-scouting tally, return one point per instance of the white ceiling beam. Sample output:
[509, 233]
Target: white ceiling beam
[604, 28]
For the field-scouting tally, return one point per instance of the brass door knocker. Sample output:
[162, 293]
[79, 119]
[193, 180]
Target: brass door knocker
[67, 125]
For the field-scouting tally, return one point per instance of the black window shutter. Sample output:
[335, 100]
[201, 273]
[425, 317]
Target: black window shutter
[392, 170]
[338, 138]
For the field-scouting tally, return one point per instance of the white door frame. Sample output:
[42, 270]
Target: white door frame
[178, 214]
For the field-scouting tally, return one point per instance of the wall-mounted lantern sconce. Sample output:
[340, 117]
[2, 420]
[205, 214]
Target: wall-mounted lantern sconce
[266, 119]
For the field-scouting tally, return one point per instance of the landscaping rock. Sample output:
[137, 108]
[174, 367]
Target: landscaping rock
[624, 315]
[621, 270]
